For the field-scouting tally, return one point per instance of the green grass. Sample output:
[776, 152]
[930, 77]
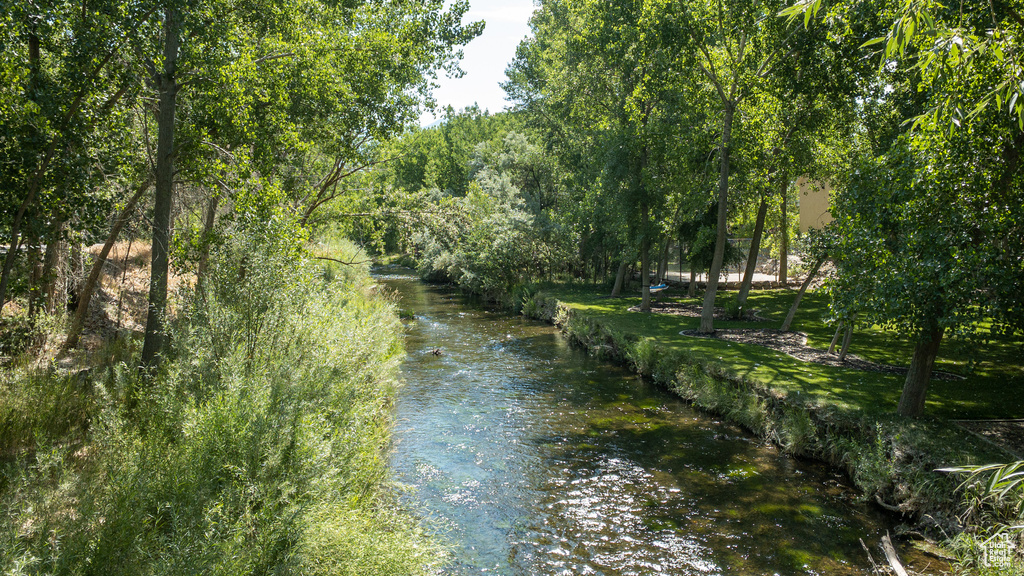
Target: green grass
[994, 373]
[259, 447]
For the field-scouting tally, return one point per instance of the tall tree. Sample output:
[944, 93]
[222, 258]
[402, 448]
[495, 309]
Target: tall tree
[294, 92]
[608, 74]
[68, 76]
[930, 237]
[929, 221]
[737, 44]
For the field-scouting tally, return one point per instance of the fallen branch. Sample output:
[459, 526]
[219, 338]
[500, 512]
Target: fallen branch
[874, 566]
[892, 556]
[342, 262]
[889, 507]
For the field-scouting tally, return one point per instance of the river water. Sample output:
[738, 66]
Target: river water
[532, 458]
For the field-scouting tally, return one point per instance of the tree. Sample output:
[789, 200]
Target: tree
[737, 45]
[606, 75]
[930, 242]
[922, 214]
[66, 77]
[321, 80]
[967, 56]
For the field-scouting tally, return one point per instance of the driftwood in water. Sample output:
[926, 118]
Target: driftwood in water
[892, 556]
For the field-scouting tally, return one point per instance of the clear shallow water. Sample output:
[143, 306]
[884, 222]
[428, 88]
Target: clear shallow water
[532, 458]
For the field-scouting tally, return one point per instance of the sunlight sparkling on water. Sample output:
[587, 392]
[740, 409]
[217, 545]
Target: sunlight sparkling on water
[531, 458]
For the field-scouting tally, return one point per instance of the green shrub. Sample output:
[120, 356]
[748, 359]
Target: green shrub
[797, 431]
[341, 260]
[258, 448]
[38, 405]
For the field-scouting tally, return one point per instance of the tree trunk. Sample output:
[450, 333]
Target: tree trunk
[620, 277]
[846, 341]
[164, 184]
[691, 288]
[76, 275]
[835, 339]
[755, 249]
[645, 261]
[663, 261]
[799, 296]
[920, 372]
[51, 268]
[680, 261]
[784, 238]
[707, 316]
[209, 219]
[35, 276]
[82, 309]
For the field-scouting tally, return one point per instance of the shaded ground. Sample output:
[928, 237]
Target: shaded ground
[694, 310]
[1005, 433]
[119, 304]
[1008, 434]
[795, 344]
[993, 370]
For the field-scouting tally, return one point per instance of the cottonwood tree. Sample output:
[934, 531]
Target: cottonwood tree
[608, 73]
[321, 79]
[67, 86]
[736, 45]
[792, 116]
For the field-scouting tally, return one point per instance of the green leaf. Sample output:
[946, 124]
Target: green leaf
[890, 46]
[873, 41]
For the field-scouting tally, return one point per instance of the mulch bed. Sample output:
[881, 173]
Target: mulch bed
[694, 310]
[1008, 434]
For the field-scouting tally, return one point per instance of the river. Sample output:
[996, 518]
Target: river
[532, 458]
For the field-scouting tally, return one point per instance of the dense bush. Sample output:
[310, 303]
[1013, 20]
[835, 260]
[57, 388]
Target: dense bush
[258, 449]
[501, 235]
[494, 250]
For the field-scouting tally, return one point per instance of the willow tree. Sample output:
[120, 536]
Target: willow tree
[930, 237]
[929, 221]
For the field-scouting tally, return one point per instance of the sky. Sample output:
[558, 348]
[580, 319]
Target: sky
[485, 57]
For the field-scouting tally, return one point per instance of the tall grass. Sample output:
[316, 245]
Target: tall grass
[259, 448]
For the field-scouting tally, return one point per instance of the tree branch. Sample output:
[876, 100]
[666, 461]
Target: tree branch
[342, 262]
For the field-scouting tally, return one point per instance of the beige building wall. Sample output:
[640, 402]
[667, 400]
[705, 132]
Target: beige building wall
[813, 199]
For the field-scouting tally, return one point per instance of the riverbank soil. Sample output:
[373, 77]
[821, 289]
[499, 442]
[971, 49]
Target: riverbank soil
[119, 304]
[786, 388]
[117, 308]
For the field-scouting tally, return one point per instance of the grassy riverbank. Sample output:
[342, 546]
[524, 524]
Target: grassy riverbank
[839, 415]
[259, 447]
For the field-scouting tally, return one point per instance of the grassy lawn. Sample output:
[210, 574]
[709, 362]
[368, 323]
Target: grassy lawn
[994, 374]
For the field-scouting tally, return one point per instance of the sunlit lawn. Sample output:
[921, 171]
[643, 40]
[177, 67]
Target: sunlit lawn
[993, 386]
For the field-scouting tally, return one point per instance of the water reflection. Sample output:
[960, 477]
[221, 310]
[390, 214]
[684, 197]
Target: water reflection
[533, 458]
